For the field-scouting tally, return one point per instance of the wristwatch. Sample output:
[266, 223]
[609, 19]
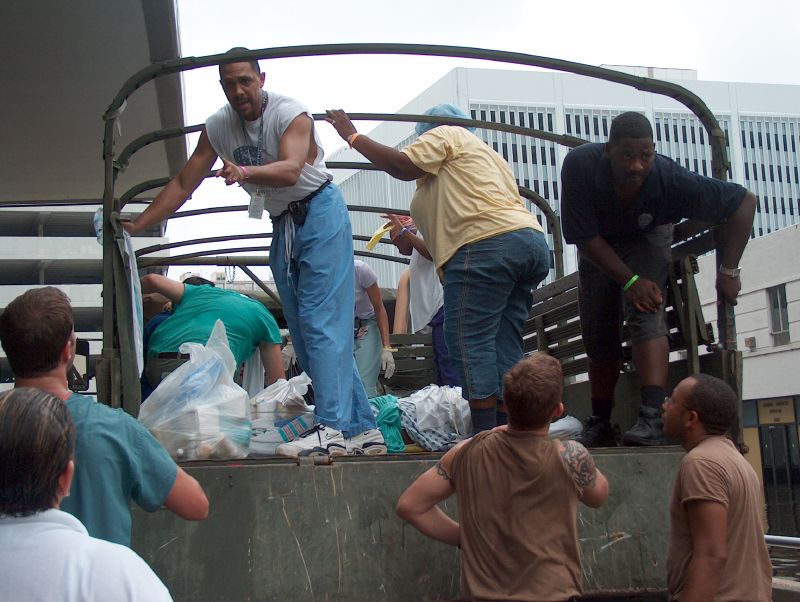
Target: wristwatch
[730, 272]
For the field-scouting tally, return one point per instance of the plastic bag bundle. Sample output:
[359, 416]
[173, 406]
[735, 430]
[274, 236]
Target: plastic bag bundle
[198, 412]
[280, 414]
[442, 408]
[436, 418]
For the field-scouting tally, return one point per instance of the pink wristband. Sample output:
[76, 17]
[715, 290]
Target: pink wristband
[244, 171]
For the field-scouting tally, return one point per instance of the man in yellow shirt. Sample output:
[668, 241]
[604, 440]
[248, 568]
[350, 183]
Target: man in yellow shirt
[489, 250]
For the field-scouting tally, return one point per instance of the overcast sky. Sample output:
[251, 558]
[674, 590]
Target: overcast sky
[728, 40]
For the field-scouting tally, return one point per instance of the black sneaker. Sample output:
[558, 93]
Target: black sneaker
[597, 432]
[648, 429]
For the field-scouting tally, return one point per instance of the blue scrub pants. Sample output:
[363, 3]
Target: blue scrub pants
[318, 296]
[367, 351]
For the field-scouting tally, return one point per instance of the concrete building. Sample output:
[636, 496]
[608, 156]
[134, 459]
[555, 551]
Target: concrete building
[761, 121]
[70, 59]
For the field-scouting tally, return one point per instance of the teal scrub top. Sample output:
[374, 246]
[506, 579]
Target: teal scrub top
[247, 322]
[116, 460]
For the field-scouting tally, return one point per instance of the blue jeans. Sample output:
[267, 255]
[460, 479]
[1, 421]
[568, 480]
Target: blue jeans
[487, 297]
[445, 373]
[318, 297]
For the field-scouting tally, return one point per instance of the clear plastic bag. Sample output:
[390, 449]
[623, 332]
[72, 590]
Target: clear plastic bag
[280, 414]
[198, 412]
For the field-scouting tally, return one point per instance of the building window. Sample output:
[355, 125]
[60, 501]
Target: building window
[778, 315]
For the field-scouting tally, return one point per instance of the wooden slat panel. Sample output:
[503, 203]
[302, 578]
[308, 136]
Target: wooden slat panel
[411, 339]
[552, 303]
[406, 364]
[413, 352]
[566, 312]
[563, 333]
[555, 288]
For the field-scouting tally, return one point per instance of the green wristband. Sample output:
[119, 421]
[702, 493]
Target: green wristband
[630, 282]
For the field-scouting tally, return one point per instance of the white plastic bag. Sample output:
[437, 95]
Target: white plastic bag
[280, 414]
[443, 409]
[198, 412]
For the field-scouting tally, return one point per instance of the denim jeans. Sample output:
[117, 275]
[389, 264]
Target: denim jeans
[318, 296]
[446, 374]
[487, 297]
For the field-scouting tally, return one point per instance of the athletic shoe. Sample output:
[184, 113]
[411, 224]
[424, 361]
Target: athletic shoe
[319, 441]
[368, 443]
[648, 429]
[597, 432]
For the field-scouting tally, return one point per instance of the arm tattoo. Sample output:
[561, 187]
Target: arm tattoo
[580, 464]
[442, 472]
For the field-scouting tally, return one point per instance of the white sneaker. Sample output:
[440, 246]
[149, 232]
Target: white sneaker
[319, 441]
[368, 443]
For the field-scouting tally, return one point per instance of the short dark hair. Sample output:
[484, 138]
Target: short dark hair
[715, 402]
[34, 329]
[253, 62]
[629, 125]
[37, 441]
[198, 281]
[532, 390]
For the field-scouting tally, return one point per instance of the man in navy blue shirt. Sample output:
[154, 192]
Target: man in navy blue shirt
[619, 203]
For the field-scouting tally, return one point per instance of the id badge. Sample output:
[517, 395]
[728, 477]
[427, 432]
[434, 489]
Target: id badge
[257, 200]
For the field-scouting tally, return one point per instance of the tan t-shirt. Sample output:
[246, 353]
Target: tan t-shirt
[468, 195]
[714, 470]
[517, 507]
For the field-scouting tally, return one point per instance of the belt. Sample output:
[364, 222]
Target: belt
[298, 210]
[308, 197]
[172, 355]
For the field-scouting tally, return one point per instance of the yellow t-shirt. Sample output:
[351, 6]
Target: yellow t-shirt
[468, 194]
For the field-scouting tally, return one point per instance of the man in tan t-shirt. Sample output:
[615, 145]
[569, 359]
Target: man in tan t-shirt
[716, 549]
[517, 494]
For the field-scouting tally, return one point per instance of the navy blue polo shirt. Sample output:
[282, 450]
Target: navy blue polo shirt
[670, 193]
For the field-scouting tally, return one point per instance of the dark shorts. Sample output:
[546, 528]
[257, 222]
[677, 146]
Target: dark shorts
[603, 304]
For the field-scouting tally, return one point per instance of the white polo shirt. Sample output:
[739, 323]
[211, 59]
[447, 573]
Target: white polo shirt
[50, 556]
[426, 294]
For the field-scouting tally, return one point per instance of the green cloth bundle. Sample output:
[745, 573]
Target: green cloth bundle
[388, 419]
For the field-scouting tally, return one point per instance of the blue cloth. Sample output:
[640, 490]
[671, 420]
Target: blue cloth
[442, 110]
[247, 322]
[318, 299]
[151, 326]
[367, 351]
[446, 374]
[116, 460]
[149, 329]
[487, 297]
[590, 207]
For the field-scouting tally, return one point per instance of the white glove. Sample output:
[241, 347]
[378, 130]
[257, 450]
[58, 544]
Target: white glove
[288, 355]
[387, 363]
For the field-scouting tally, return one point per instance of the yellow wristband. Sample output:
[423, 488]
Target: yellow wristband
[352, 138]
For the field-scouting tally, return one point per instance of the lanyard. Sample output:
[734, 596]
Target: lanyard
[260, 138]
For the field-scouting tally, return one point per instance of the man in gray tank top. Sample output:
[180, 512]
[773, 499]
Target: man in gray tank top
[514, 471]
[269, 146]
